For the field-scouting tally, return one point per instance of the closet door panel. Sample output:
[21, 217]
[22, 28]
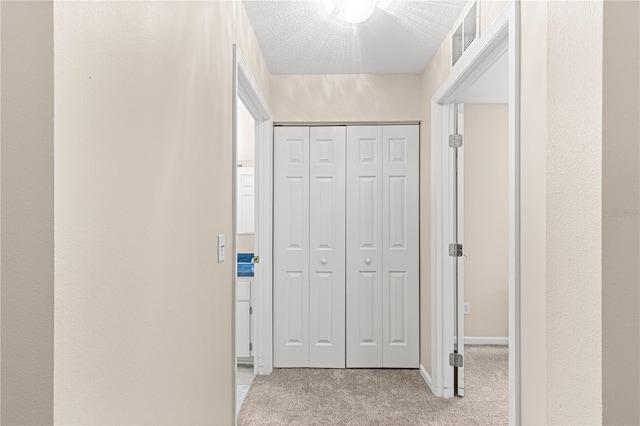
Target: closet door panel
[400, 247]
[327, 247]
[291, 247]
[364, 246]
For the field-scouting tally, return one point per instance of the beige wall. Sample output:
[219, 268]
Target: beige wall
[562, 194]
[576, 168]
[350, 98]
[489, 11]
[143, 99]
[533, 204]
[27, 213]
[574, 213]
[620, 204]
[486, 143]
[245, 243]
[143, 181]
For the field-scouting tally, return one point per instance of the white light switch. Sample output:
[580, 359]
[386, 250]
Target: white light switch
[221, 246]
[467, 308]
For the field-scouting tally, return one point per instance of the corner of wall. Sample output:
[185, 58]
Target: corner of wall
[620, 205]
[27, 213]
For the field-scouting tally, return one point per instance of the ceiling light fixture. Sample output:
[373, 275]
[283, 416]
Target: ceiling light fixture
[350, 11]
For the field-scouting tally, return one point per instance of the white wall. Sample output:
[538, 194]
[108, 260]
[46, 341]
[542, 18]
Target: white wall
[143, 184]
[486, 286]
[343, 97]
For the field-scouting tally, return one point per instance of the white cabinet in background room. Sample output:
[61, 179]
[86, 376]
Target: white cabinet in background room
[243, 316]
[246, 197]
[244, 289]
[346, 261]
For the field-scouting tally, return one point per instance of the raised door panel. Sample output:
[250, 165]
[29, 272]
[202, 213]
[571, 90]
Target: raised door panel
[291, 247]
[400, 247]
[364, 246]
[327, 247]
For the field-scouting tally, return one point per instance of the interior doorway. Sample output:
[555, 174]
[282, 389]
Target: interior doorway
[245, 249]
[482, 265]
[252, 121]
[488, 73]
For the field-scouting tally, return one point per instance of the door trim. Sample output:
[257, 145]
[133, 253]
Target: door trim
[503, 36]
[246, 88]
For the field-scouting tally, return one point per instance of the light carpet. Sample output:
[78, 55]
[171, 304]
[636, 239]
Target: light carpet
[380, 397]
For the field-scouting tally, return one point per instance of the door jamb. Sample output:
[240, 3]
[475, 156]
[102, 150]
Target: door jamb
[503, 36]
[246, 89]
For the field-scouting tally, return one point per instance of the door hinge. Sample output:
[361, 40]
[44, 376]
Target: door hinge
[250, 347]
[250, 310]
[456, 360]
[455, 141]
[256, 259]
[455, 250]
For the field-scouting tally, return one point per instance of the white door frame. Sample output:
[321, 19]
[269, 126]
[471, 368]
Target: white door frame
[248, 91]
[503, 36]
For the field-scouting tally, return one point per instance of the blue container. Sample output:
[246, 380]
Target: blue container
[245, 264]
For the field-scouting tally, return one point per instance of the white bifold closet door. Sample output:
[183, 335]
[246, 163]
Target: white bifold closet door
[364, 247]
[309, 252]
[382, 247]
[346, 247]
[400, 245]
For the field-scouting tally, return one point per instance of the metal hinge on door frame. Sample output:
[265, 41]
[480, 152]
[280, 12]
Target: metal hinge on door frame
[456, 360]
[250, 346]
[455, 141]
[455, 250]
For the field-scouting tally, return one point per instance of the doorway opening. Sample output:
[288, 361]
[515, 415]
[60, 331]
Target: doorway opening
[252, 125]
[245, 249]
[488, 73]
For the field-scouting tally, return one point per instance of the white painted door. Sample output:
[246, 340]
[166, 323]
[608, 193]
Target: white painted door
[369, 240]
[243, 317]
[364, 246]
[327, 251]
[400, 230]
[246, 197]
[291, 247]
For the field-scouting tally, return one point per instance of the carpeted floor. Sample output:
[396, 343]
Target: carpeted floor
[379, 397]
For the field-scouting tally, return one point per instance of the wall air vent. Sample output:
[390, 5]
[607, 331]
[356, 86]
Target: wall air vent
[465, 34]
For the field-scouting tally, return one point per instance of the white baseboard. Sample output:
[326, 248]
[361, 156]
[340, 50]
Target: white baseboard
[427, 378]
[486, 341]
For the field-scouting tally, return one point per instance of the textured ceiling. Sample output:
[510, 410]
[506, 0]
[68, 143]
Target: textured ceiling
[400, 37]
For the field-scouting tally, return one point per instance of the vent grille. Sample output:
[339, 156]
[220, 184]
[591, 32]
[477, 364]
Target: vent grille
[465, 34]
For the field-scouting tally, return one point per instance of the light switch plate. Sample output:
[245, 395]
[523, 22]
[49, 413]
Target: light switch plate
[221, 248]
[467, 308]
